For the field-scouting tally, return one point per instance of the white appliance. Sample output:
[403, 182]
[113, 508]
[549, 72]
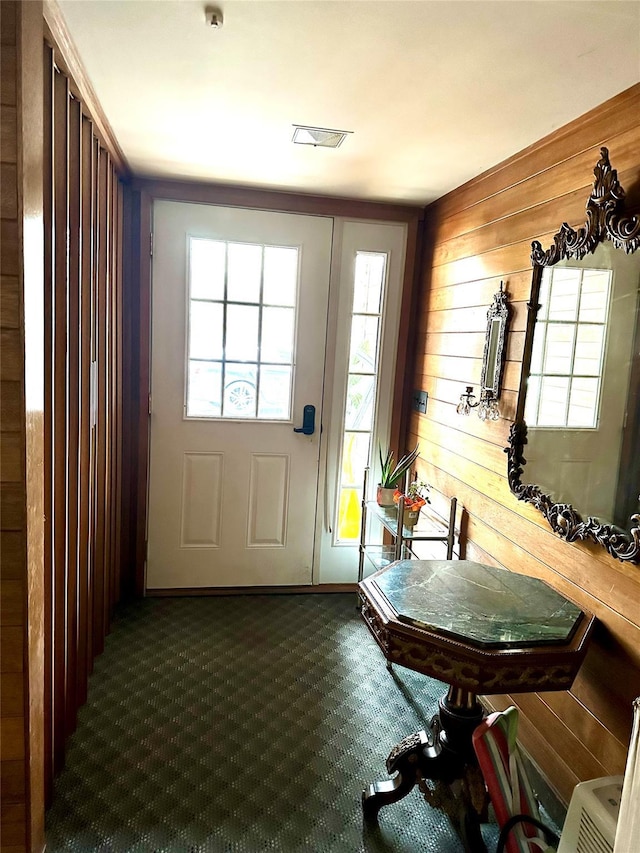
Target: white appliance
[590, 826]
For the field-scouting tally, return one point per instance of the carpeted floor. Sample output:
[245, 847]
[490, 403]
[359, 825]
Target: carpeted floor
[242, 724]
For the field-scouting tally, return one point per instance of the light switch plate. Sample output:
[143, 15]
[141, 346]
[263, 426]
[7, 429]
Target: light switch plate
[420, 401]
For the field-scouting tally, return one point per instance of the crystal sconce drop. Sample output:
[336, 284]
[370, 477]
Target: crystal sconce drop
[487, 407]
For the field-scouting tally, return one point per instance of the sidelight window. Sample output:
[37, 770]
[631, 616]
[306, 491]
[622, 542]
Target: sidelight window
[241, 330]
[362, 385]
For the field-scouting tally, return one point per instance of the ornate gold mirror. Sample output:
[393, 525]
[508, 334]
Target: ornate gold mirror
[579, 403]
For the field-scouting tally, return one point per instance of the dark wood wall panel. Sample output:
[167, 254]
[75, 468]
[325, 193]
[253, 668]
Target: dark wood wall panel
[59, 172]
[60, 520]
[13, 574]
[83, 412]
[22, 434]
[85, 495]
[48, 76]
[477, 236]
[73, 407]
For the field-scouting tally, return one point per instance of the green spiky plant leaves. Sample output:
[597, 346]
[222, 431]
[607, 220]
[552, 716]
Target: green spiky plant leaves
[390, 474]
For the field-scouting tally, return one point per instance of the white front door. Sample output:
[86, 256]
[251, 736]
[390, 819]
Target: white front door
[239, 308]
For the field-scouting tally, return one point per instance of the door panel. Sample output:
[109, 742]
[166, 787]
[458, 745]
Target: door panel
[232, 501]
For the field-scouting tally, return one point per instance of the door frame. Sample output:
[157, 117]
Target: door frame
[144, 193]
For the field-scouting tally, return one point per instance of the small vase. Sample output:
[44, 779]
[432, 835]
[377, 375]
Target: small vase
[410, 517]
[385, 496]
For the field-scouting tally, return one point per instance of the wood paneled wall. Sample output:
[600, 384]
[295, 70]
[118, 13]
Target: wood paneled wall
[64, 454]
[22, 436]
[83, 206]
[477, 236]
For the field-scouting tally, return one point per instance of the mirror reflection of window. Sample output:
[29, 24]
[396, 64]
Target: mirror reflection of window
[492, 354]
[568, 348]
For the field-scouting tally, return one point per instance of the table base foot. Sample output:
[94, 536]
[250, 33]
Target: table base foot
[442, 762]
[403, 760]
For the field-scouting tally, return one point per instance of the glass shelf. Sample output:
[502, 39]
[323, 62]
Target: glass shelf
[428, 526]
[380, 556]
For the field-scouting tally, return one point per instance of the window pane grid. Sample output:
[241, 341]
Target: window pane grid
[361, 389]
[568, 351]
[239, 380]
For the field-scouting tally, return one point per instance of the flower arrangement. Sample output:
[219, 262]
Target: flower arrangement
[416, 497]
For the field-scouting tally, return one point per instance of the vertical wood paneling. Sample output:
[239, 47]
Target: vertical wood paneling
[73, 408]
[94, 552]
[59, 468]
[48, 72]
[12, 479]
[478, 235]
[143, 274]
[101, 586]
[83, 259]
[84, 421]
[21, 424]
[119, 473]
[57, 174]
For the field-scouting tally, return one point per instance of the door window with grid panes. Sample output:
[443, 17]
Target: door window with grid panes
[241, 330]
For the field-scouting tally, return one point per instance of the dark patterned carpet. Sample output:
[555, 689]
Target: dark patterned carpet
[242, 724]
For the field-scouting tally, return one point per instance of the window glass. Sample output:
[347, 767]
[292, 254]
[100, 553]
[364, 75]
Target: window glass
[360, 397]
[240, 390]
[204, 385]
[275, 392]
[240, 351]
[364, 343]
[206, 268]
[280, 275]
[241, 342]
[277, 335]
[368, 281]
[244, 272]
[362, 383]
[205, 328]
[355, 457]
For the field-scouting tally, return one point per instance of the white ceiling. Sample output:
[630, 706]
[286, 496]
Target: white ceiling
[435, 92]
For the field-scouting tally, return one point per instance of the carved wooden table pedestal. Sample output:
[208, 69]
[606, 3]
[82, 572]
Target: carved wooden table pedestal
[482, 630]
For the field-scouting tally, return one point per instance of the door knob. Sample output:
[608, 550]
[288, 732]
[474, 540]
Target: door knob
[308, 421]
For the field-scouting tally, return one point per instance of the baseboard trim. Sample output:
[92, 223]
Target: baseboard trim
[251, 590]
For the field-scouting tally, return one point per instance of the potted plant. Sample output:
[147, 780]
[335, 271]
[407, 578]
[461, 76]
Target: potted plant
[390, 474]
[416, 497]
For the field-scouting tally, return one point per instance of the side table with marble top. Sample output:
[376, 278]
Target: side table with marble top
[481, 630]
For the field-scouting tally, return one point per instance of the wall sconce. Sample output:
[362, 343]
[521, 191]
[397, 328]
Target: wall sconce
[492, 363]
[487, 406]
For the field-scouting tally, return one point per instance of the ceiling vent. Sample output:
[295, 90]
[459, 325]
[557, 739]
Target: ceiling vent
[320, 137]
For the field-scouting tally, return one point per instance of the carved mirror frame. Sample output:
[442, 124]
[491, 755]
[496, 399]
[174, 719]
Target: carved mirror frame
[606, 219]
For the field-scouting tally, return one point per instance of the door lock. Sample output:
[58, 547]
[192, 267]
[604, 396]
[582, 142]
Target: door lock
[308, 421]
